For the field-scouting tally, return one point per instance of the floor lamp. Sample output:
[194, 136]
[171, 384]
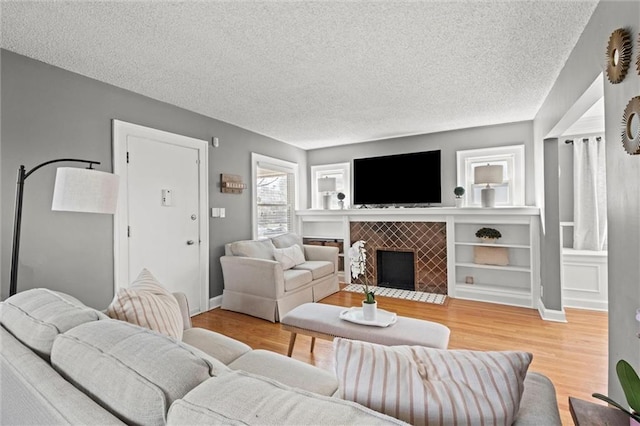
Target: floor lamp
[487, 175]
[78, 190]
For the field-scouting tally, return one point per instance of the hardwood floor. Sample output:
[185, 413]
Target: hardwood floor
[573, 355]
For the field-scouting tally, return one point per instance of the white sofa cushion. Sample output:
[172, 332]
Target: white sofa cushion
[296, 278]
[318, 268]
[241, 398]
[148, 304]
[287, 240]
[221, 347]
[37, 316]
[133, 372]
[423, 385]
[289, 256]
[261, 249]
[288, 371]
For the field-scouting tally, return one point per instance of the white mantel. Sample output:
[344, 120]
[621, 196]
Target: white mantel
[430, 213]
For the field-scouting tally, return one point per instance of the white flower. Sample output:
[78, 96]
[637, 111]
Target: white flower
[358, 258]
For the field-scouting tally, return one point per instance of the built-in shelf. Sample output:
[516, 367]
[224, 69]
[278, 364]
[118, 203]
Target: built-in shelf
[498, 267]
[512, 284]
[491, 288]
[522, 246]
[517, 283]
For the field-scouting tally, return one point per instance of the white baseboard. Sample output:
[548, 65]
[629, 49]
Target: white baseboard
[215, 302]
[550, 314]
[586, 304]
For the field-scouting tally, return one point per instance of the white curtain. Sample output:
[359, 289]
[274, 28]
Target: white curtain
[589, 194]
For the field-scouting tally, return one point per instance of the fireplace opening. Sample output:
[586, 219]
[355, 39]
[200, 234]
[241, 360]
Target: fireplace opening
[395, 269]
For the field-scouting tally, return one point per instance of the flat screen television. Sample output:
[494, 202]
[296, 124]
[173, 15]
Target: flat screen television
[402, 179]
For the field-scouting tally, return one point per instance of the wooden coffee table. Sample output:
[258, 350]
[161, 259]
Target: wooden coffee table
[320, 320]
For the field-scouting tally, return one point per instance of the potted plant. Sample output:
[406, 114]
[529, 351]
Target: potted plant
[341, 197]
[630, 385]
[488, 235]
[459, 192]
[358, 265]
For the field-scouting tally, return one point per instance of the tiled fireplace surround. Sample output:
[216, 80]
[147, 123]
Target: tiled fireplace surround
[427, 241]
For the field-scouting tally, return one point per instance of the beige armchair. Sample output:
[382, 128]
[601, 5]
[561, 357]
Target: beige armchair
[257, 284]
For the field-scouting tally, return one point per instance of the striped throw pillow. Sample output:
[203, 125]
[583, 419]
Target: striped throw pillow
[148, 304]
[432, 386]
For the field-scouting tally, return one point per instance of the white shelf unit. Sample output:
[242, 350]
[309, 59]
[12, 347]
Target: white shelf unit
[325, 228]
[516, 284]
[512, 284]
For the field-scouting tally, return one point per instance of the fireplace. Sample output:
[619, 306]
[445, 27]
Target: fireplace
[427, 241]
[395, 269]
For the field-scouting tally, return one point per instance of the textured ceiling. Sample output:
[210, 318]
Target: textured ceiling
[314, 73]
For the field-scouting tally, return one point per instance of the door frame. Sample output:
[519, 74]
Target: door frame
[120, 132]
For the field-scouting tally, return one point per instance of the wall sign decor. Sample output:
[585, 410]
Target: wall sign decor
[631, 126]
[231, 184]
[618, 55]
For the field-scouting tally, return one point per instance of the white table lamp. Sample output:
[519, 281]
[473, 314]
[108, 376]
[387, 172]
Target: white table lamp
[487, 175]
[326, 185]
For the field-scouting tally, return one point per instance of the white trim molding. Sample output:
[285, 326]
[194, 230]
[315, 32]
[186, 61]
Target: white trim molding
[551, 314]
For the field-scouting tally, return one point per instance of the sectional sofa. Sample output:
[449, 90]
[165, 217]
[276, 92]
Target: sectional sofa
[62, 362]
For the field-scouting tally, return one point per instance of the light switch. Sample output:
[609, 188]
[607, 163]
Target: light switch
[167, 197]
[217, 212]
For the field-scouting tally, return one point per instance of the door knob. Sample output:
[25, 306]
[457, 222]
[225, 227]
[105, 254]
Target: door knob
[190, 242]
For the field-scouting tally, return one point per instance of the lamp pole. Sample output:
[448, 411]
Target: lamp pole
[22, 176]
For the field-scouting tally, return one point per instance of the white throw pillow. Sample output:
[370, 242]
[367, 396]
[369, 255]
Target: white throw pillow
[432, 386]
[289, 256]
[148, 304]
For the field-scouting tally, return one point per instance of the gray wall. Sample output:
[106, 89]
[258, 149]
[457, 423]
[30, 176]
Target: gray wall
[448, 142]
[623, 171]
[50, 113]
[565, 161]
[550, 274]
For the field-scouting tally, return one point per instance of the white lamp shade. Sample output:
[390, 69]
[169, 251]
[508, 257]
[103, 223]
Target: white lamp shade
[85, 190]
[488, 174]
[326, 184]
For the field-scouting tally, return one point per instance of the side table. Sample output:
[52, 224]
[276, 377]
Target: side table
[585, 413]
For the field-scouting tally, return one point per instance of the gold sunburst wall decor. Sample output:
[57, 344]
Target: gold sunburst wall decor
[618, 55]
[638, 60]
[631, 126]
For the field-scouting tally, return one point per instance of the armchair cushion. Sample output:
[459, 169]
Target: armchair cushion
[289, 256]
[261, 249]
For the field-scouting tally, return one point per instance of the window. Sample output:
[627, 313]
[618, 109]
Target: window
[511, 158]
[342, 173]
[274, 196]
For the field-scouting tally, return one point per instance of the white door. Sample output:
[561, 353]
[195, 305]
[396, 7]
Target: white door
[161, 223]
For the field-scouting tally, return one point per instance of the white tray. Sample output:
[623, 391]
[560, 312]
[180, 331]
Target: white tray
[383, 318]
